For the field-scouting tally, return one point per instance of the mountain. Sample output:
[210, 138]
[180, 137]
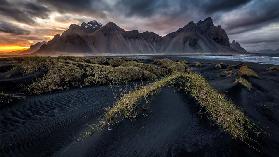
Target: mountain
[236, 46]
[33, 48]
[93, 37]
[268, 51]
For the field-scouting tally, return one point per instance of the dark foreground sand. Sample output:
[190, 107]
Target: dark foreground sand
[48, 125]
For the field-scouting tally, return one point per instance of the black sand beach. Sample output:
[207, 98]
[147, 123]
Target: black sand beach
[170, 124]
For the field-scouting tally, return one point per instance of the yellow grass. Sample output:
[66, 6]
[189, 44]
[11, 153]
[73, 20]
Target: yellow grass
[221, 110]
[246, 71]
[243, 82]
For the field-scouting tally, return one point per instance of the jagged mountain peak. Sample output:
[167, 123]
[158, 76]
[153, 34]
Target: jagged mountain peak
[236, 46]
[91, 25]
[111, 27]
[208, 22]
[202, 36]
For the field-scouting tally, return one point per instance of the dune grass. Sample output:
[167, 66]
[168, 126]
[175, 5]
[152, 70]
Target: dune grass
[243, 82]
[66, 72]
[221, 110]
[63, 75]
[218, 108]
[245, 71]
[172, 66]
[158, 71]
[125, 107]
[273, 69]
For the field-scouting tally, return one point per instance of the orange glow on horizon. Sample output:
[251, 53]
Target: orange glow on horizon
[11, 48]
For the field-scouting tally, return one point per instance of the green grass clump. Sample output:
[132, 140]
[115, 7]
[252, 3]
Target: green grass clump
[172, 66]
[243, 82]
[198, 64]
[222, 111]
[62, 74]
[274, 68]
[30, 65]
[158, 71]
[245, 71]
[59, 76]
[96, 74]
[125, 107]
[220, 66]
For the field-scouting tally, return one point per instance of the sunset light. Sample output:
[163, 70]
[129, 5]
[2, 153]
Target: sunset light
[11, 48]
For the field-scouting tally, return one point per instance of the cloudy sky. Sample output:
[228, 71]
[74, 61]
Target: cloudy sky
[254, 23]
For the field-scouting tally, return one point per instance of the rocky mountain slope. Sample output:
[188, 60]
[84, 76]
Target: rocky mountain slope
[236, 46]
[93, 38]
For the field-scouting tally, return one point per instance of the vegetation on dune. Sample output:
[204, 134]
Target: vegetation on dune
[172, 66]
[222, 111]
[96, 74]
[245, 71]
[243, 82]
[30, 65]
[58, 77]
[158, 71]
[220, 66]
[198, 64]
[125, 107]
[274, 68]
[64, 73]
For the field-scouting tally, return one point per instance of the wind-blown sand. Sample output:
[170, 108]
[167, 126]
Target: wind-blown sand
[170, 125]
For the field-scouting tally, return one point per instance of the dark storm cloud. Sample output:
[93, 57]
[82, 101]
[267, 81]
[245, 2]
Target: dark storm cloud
[150, 7]
[21, 11]
[261, 40]
[142, 7]
[212, 6]
[87, 7]
[257, 15]
[237, 17]
[12, 29]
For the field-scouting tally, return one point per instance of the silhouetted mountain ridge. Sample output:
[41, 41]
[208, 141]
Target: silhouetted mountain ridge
[94, 38]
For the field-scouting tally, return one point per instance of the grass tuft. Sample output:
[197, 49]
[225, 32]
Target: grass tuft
[125, 107]
[172, 66]
[243, 82]
[245, 71]
[222, 111]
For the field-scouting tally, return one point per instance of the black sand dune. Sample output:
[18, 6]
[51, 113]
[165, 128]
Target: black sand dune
[170, 125]
[261, 104]
[41, 125]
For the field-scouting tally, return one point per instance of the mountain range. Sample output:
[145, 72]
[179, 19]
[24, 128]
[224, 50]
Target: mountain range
[94, 38]
[268, 51]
